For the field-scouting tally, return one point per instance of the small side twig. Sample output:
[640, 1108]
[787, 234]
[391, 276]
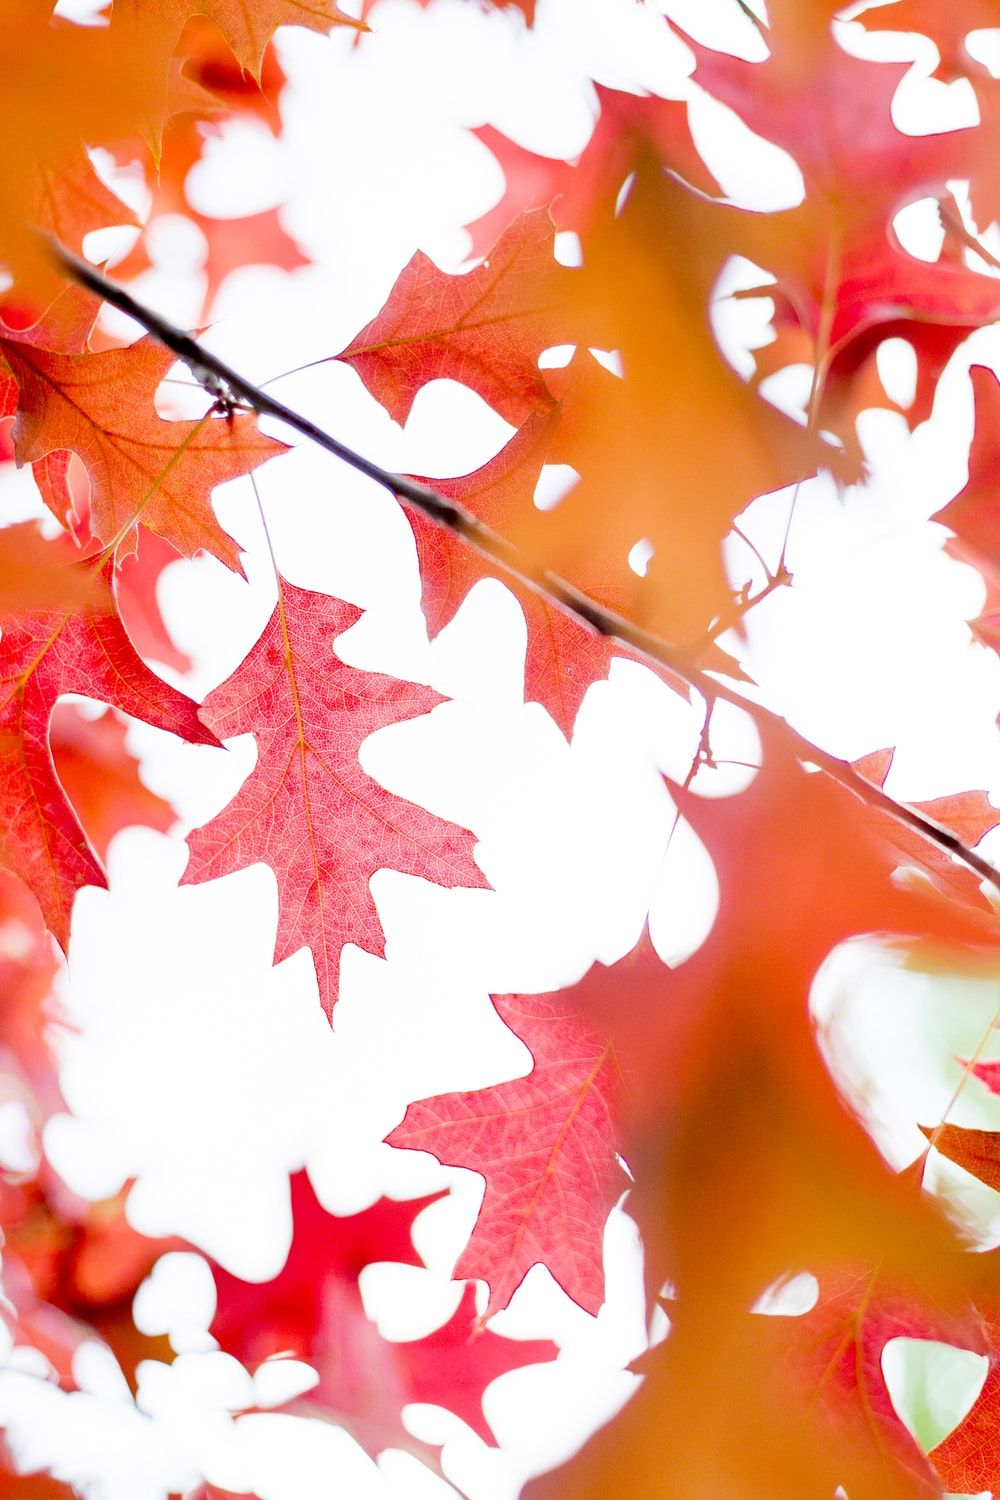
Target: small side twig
[741, 606]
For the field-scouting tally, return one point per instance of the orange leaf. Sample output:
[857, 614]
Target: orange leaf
[141, 467]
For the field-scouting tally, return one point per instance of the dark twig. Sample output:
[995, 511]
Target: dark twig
[752, 15]
[230, 389]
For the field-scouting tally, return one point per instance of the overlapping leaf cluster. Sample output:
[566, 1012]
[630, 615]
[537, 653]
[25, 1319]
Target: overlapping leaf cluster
[744, 1163]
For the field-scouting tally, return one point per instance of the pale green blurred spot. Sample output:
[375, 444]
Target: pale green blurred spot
[932, 1386]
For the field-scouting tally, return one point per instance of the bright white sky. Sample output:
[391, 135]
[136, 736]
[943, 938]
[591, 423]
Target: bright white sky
[207, 1074]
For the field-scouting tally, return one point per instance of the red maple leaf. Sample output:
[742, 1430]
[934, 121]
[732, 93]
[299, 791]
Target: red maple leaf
[546, 1145]
[310, 714]
[313, 1309]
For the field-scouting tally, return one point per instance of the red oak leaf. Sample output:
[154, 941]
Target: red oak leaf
[563, 657]
[485, 328]
[526, 7]
[210, 63]
[310, 714]
[976, 1151]
[576, 193]
[230, 244]
[988, 1073]
[220, 87]
[64, 326]
[62, 1255]
[257, 240]
[855, 282]
[638, 443]
[974, 513]
[101, 777]
[986, 629]
[835, 1354]
[27, 1062]
[141, 467]
[883, 288]
[797, 1407]
[949, 31]
[727, 1081]
[213, 1492]
[72, 202]
[68, 1259]
[138, 579]
[844, 271]
[153, 30]
[852, 380]
[968, 1460]
[43, 655]
[808, 97]
[546, 1145]
[137, 573]
[313, 1308]
[947, 28]
[59, 486]
[62, 85]
[744, 1154]
[33, 572]
[967, 815]
[531, 181]
[17, 1486]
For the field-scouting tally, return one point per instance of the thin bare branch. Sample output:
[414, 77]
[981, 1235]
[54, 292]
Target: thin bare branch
[230, 388]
